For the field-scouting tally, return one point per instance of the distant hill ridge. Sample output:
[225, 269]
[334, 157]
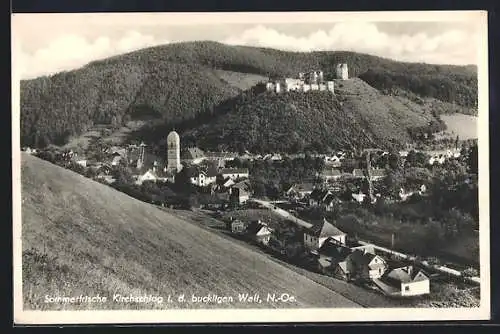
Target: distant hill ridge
[179, 82]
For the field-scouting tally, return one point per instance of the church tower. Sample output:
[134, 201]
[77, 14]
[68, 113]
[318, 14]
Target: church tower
[173, 152]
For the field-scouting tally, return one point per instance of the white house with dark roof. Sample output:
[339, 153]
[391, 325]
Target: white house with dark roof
[404, 281]
[367, 265]
[315, 236]
[300, 190]
[203, 177]
[192, 155]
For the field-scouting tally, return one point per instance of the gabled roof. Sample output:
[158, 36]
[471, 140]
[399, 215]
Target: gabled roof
[329, 199]
[192, 153]
[337, 252]
[324, 229]
[361, 258]
[302, 187]
[406, 275]
[254, 227]
[319, 194]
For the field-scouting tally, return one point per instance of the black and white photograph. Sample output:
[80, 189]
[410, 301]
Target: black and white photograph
[250, 167]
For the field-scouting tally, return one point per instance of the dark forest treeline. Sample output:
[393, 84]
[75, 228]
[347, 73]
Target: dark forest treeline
[296, 122]
[455, 88]
[177, 83]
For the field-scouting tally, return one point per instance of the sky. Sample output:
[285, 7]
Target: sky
[45, 44]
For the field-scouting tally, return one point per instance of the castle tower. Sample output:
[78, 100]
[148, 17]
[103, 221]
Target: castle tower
[173, 152]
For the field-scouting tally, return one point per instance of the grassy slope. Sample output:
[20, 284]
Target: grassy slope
[81, 237]
[465, 126]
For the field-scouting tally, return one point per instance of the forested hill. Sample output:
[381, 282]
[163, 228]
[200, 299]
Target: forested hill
[181, 81]
[356, 116]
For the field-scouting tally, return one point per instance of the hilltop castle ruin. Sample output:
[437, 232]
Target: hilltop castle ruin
[310, 81]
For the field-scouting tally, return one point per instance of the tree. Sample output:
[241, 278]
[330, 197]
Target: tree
[469, 272]
[392, 184]
[393, 160]
[122, 175]
[411, 159]
[472, 160]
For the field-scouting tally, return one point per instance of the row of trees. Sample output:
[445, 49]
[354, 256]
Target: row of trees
[271, 178]
[449, 87]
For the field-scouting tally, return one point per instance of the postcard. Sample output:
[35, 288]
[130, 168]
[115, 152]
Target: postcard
[250, 167]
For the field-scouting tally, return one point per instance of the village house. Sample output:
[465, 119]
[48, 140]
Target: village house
[359, 197]
[318, 196]
[330, 174]
[29, 150]
[192, 156]
[259, 232]
[324, 199]
[80, 160]
[332, 260]
[271, 157]
[227, 183]
[238, 227]
[315, 236]
[203, 177]
[239, 192]
[334, 159]
[366, 265]
[437, 159]
[404, 281]
[149, 175]
[404, 195]
[299, 190]
[116, 158]
[234, 173]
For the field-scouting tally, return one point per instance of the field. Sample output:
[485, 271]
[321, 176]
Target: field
[464, 126]
[240, 80]
[104, 132]
[80, 237]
